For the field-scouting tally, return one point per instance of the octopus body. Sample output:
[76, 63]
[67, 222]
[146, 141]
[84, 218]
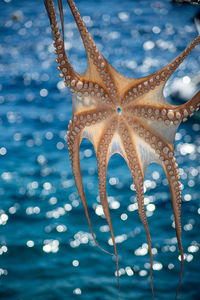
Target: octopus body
[118, 114]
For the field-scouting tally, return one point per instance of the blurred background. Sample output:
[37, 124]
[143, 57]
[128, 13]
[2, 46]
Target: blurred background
[46, 250]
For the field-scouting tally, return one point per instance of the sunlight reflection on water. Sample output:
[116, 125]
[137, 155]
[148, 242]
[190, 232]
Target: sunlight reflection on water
[45, 244]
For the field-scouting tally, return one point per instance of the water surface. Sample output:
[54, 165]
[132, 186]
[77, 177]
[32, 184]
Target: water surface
[46, 250]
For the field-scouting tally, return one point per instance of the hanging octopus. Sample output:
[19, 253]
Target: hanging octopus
[128, 116]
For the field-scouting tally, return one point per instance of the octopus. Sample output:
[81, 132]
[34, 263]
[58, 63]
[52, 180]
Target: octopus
[119, 114]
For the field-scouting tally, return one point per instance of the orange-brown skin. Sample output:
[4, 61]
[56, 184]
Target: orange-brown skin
[142, 132]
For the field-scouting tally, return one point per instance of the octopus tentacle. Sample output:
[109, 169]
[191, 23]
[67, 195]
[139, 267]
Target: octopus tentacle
[61, 17]
[153, 139]
[157, 80]
[73, 146]
[88, 118]
[169, 114]
[98, 66]
[141, 210]
[161, 151]
[175, 191]
[64, 65]
[169, 69]
[85, 35]
[85, 88]
[46, 3]
[102, 161]
[165, 157]
[187, 109]
[134, 165]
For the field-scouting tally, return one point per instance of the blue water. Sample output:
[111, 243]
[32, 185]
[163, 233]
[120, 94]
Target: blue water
[46, 250]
